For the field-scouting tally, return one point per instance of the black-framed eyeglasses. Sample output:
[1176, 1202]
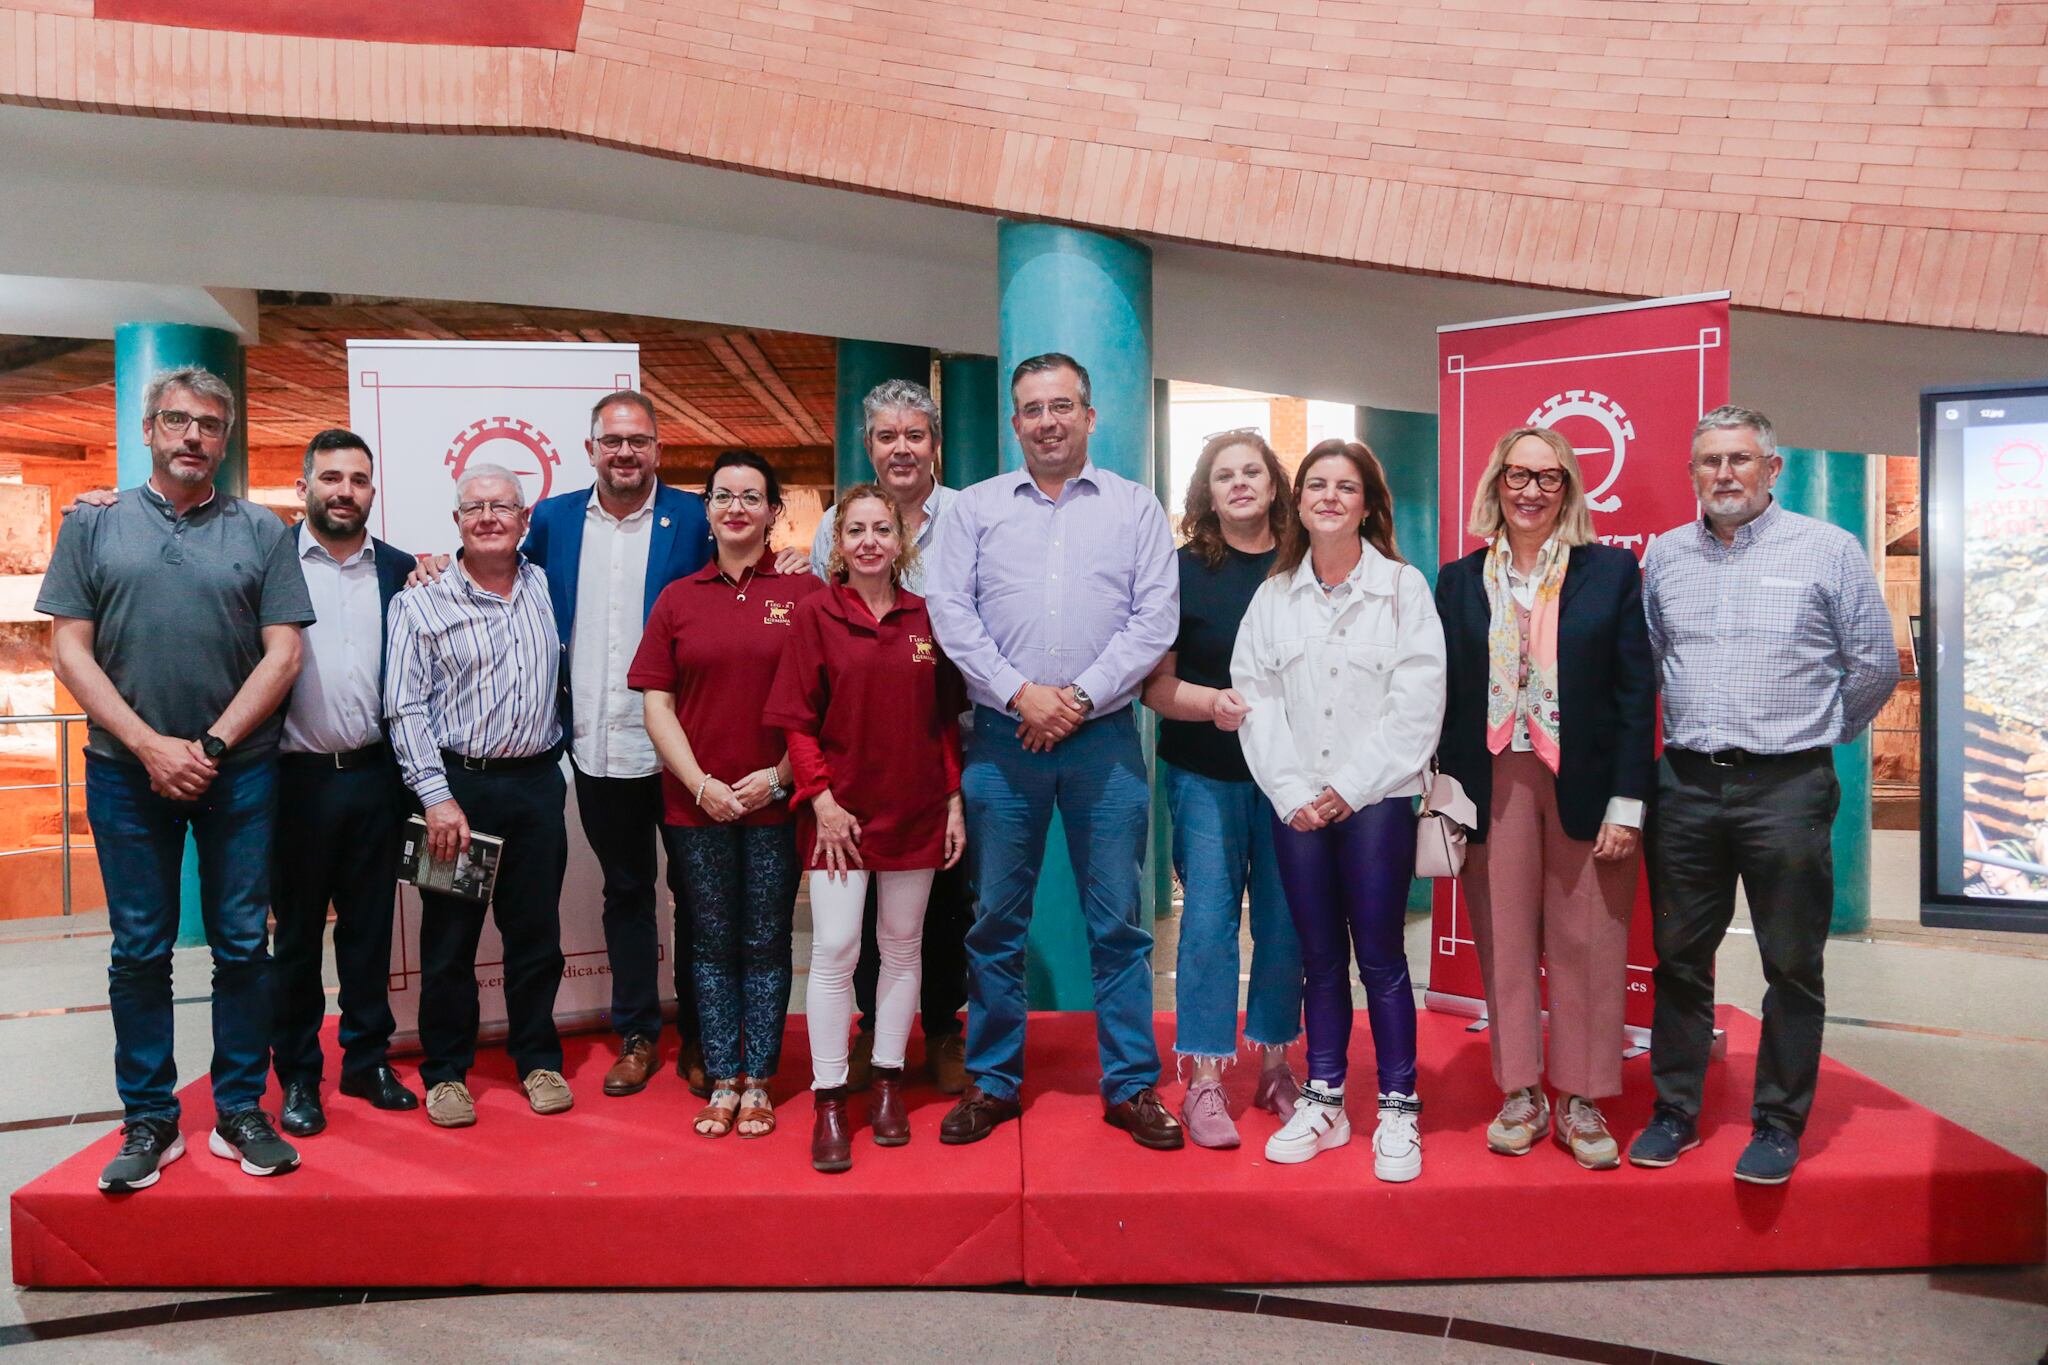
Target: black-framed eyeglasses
[1516, 477]
[639, 445]
[174, 421]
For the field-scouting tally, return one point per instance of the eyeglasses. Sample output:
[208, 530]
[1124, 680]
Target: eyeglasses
[1234, 431]
[639, 445]
[1549, 480]
[470, 511]
[175, 422]
[1058, 407]
[725, 497]
[1741, 462]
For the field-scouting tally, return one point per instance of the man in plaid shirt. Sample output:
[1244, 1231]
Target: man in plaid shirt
[1773, 645]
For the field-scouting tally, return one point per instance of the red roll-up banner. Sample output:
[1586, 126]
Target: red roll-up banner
[1625, 385]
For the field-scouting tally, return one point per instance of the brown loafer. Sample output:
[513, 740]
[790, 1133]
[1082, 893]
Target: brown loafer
[1147, 1120]
[690, 1066]
[946, 1055]
[886, 1117]
[831, 1138]
[629, 1074]
[976, 1116]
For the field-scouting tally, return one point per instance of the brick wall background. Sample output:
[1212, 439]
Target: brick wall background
[1868, 161]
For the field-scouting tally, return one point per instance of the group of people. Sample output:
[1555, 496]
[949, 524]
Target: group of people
[900, 711]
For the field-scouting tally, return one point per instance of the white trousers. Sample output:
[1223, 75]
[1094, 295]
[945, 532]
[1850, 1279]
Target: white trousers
[837, 903]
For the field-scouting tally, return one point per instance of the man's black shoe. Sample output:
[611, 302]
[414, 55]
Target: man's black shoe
[248, 1137]
[147, 1146]
[302, 1115]
[381, 1087]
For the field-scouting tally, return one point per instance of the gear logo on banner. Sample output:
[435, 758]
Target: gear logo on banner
[475, 441]
[1580, 406]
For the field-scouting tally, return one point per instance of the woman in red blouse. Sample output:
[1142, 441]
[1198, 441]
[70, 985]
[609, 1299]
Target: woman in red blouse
[707, 658]
[871, 714]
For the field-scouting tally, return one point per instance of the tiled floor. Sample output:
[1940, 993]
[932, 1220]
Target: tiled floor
[1958, 1022]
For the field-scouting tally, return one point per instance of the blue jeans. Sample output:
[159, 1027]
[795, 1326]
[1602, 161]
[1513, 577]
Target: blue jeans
[1096, 779]
[1222, 838]
[140, 839]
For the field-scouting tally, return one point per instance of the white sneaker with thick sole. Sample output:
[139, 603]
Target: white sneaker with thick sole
[1318, 1124]
[1396, 1143]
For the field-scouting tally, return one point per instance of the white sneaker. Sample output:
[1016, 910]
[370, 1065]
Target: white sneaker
[1318, 1124]
[1396, 1144]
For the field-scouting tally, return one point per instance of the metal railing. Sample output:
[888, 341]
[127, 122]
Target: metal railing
[62, 786]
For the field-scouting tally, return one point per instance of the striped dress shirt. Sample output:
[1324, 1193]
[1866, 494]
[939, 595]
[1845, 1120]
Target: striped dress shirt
[471, 672]
[1775, 643]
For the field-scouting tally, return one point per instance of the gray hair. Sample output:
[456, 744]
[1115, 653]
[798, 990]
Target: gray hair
[478, 472]
[630, 398]
[892, 395]
[199, 380]
[1052, 360]
[1729, 417]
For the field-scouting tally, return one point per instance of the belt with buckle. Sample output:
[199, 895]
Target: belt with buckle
[499, 765]
[364, 757]
[1743, 758]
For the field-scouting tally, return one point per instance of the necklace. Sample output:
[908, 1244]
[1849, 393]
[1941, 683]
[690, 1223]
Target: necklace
[741, 586]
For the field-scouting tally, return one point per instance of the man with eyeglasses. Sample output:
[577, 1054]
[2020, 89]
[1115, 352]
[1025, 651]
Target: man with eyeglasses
[470, 688]
[177, 616]
[1055, 592]
[1773, 645]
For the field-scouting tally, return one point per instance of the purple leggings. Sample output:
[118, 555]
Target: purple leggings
[1347, 886]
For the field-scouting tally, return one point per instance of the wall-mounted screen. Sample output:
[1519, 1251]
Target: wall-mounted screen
[1984, 657]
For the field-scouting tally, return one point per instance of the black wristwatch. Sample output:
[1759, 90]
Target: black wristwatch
[213, 746]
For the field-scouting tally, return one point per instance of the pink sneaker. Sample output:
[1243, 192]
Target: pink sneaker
[1277, 1091]
[1206, 1117]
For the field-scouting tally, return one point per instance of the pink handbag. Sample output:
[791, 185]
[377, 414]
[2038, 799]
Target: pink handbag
[1448, 815]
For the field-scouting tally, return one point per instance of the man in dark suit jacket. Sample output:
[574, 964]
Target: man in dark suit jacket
[341, 804]
[608, 551]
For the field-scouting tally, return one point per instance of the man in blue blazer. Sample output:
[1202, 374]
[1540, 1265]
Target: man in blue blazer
[608, 551]
[341, 804]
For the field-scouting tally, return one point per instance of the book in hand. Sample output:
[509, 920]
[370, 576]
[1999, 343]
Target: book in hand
[470, 876]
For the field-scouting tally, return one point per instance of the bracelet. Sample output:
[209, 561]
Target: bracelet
[700, 788]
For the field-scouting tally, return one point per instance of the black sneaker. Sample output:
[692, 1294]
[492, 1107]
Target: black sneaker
[147, 1146]
[1669, 1136]
[248, 1137]
[1769, 1158]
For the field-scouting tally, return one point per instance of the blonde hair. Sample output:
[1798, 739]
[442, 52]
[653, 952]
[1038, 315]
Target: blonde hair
[906, 548]
[1574, 521]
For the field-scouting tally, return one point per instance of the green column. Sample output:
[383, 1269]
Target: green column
[1834, 486]
[861, 366]
[1406, 443]
[1089, 295]
[143, 350]
[971, 413]
[1159, 853]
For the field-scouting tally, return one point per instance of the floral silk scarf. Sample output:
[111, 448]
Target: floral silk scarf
[1504, 651]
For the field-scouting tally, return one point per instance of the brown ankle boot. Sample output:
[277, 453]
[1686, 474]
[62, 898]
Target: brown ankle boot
[831, 1133]
[886, 1117]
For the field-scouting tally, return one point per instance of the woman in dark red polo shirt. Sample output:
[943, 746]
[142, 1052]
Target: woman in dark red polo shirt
[871, 714]
[707, 658]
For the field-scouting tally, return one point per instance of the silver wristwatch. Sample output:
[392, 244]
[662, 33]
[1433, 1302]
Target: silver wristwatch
[777, 792]
[1081, 695]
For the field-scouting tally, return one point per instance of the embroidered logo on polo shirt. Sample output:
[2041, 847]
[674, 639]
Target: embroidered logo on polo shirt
[778, 612]
[921, 650]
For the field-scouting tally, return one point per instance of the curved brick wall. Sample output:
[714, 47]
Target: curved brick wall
[1873, 162]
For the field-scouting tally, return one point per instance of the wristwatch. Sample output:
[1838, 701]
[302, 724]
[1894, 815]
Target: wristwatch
[776, 791]
[1081, 695]
[213, 746]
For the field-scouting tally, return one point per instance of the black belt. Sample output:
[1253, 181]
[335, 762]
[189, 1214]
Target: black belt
[1743, 758]
[499, 765]
[367, 756]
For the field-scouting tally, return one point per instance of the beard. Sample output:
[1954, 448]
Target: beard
[322, 517]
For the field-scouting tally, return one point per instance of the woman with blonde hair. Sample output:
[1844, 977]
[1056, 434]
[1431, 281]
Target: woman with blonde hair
[1550, 725]
[1237, 513]
[1341, 659]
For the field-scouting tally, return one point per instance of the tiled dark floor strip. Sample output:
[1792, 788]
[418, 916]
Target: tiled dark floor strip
[61, 1120]
[1164, 1296]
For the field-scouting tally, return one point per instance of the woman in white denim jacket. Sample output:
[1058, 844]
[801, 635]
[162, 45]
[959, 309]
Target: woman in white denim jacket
[1341, 657]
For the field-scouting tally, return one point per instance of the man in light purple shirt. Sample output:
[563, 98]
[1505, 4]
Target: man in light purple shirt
[1054, 591]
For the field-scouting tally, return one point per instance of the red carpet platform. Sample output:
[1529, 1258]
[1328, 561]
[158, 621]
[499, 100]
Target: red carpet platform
[620, 1193]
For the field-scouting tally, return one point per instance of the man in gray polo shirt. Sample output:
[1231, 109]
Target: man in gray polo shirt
[177, 616]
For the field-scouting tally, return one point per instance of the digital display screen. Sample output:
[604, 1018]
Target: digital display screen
[1984, 657]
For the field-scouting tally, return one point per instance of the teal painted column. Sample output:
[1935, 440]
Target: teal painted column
[143, 350]
[1089, 295]
[971, 419]
[862, 365]
[1406, 443]
[1159, 852]
[1834, 486]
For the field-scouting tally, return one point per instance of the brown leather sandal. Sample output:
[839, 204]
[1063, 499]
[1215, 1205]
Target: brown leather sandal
[756, 1108]
[715, 1119]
